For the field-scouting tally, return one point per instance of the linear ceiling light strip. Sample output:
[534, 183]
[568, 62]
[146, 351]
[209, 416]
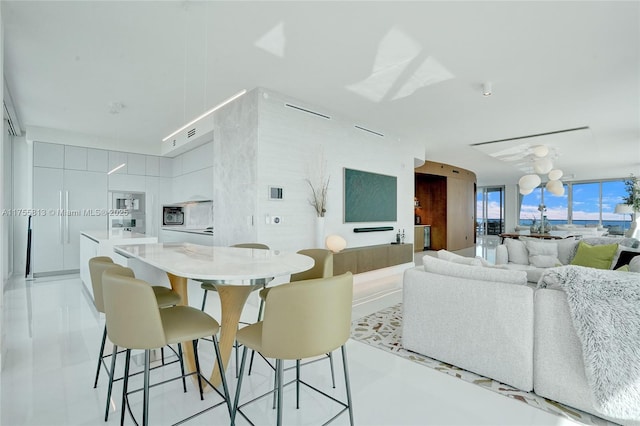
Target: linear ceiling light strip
[531, 136]
[215, 108]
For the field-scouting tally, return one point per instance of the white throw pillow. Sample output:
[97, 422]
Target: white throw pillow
[443, 267]
[566, 247]
[634, 265]
[517, 251]
[542, 254]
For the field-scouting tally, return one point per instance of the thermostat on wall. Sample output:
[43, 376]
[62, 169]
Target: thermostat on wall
[275, 193]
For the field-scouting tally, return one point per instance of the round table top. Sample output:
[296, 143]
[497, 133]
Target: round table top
[206, 263]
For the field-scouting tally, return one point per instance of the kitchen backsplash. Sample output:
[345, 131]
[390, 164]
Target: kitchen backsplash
[198, 214]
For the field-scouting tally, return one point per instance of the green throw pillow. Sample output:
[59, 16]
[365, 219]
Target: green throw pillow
[599, 256]
[623, 268]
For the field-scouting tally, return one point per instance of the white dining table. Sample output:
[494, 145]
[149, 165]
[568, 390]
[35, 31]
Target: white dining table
[234, 271]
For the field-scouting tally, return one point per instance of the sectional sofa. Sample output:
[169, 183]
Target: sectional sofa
[533, 255]
[495, 323]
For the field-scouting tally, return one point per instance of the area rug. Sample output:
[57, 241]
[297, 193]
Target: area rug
[383, 330]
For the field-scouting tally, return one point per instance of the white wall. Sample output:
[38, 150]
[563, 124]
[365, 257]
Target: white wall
[3, 171]
[6, 203]
[235, 172]
[511, 207]
[292, 147]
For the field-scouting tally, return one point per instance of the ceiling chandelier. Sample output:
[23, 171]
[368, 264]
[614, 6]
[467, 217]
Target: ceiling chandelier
[542, 161]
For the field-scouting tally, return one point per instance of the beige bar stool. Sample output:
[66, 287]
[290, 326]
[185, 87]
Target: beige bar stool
[301, 320]
[165, 297]
[322, 268]
[135, 321]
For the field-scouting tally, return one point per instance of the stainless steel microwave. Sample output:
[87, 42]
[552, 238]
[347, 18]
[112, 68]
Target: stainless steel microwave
[172, 215]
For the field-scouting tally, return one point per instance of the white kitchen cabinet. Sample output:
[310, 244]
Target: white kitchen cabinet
[97, 160]
[84, 190]
[117, 158]
[75, 157]
[136, 164]
[127, 183]
[47, 235]
[197, 159]
[72, 200]
[152, 165]
[48, 155]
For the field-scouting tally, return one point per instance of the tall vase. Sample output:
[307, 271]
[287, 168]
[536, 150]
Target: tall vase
[320, 232]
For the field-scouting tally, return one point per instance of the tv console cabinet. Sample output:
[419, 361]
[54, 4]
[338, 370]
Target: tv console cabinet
[369, 258]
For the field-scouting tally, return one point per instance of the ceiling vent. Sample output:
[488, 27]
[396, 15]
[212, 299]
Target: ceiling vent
[308, 111]
[555, 132]
[192, 137]
[369, 131]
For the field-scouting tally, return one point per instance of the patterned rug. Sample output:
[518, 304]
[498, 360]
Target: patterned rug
[383, 330]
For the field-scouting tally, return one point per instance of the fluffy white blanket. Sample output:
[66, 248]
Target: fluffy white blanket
[605, 309]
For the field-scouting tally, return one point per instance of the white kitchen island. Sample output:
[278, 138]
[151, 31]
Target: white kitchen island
[101, 243]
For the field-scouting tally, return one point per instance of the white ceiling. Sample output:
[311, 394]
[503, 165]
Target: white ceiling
[412, 69]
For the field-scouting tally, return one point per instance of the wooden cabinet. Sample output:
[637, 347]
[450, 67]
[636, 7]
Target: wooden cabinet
[421, 237]
[446, 201]
[418, 238]
[369, 258]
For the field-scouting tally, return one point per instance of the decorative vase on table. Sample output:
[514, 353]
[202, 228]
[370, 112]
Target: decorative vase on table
[320, 232]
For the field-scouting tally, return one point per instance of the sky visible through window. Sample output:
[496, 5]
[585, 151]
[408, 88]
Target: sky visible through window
[587, 204]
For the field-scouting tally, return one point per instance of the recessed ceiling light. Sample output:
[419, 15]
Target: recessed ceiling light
[486, 89]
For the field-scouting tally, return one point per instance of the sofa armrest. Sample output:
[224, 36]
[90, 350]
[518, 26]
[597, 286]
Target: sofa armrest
[558, 364]
[502, 255]
[482, 326]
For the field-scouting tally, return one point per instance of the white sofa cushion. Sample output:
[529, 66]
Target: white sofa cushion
[541, 254]
[533, 274]
[480, 273]
[517, 251]
[456, 258]
[634, 265]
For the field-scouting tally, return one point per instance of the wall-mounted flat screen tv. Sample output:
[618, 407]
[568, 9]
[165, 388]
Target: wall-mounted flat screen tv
[369, 197]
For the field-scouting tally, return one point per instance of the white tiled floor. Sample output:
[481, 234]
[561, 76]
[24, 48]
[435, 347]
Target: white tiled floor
[52, 335]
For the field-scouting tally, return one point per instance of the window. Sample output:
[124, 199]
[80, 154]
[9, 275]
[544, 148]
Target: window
[557, 206]
[583, 203]
[585, 206]
[490, 211]
[612, 194]
[529, 207]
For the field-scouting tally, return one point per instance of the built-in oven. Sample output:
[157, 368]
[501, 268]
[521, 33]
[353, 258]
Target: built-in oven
[172, 215]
